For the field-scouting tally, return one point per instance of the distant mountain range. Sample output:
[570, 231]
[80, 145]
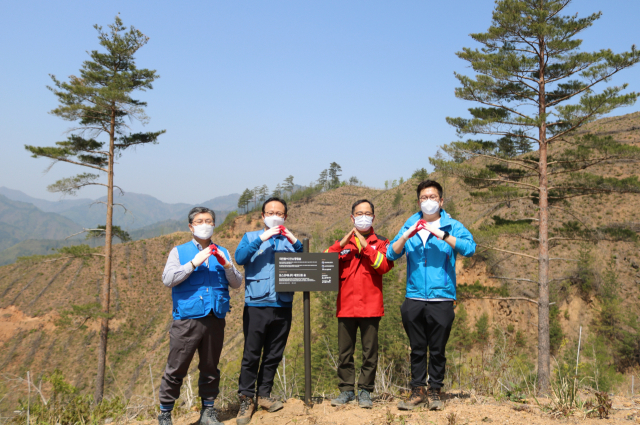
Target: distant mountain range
[30, 226]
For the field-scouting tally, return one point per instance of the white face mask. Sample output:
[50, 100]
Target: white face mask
[363, 223]
[430, 207]
[273, 221]
[203, 231]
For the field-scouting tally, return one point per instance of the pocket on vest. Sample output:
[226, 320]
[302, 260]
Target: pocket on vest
[191, 307]
[222, 306]
[258, 289]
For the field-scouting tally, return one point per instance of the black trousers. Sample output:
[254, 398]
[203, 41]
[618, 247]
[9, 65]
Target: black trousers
[347, 331]
[204, 335]
[266, 330]
[428, 325]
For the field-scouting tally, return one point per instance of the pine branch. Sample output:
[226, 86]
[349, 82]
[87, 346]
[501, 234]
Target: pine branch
[508, 252]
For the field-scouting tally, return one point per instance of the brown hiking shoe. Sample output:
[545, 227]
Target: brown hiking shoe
[435, 402]
[269, 404]
[418, 398]
[246, 410]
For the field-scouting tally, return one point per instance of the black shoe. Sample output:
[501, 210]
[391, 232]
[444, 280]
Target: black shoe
[209, 416]
[164, 418]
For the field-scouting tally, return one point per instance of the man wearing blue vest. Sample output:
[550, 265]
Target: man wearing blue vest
[266, 319]
[199, 274]
[432, 240]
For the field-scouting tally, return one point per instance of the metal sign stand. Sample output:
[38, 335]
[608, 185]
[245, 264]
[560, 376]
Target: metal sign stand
[306, 296]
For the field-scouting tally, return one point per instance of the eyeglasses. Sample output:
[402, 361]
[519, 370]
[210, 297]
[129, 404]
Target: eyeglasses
[360, 214]
[432, 197]
[277, 214]
[197, 222]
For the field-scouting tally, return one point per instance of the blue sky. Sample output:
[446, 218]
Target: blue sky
[253, 91]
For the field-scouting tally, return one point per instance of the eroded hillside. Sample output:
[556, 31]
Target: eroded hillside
[36, 293]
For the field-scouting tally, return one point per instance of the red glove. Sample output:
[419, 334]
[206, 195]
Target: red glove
[287, 234]
[219, 255]
[411, 231]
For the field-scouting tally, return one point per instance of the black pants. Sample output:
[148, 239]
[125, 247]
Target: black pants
[204, 335]
[428, 325]
[266, 330]
[347, 330]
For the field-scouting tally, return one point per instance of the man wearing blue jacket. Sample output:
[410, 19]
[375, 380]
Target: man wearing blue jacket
[199, 274]
[432, 240]
[266, 319]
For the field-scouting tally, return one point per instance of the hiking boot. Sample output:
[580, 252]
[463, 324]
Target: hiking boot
[209, 416]
[344, 398]
[435, 402]
[364, 399]
[418, 398]
[164, 418]
[270, 404]
[246, 410]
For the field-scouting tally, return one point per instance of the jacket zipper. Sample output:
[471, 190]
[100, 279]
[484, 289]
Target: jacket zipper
[425, 267]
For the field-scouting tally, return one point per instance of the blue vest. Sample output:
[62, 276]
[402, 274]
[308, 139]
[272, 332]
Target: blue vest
[260, 273]
[204, 290]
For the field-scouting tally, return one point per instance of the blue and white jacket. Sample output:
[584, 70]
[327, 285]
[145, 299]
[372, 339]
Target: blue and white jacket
[259, 261]
[431, 267]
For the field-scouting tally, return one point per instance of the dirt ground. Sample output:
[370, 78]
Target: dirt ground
[458, 411]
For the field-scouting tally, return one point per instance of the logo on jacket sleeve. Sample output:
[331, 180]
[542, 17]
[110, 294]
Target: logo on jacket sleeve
[345, 251]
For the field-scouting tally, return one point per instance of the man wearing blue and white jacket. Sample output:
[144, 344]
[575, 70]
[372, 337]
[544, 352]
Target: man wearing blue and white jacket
[199, 274]
[266, 319]
[432, 240]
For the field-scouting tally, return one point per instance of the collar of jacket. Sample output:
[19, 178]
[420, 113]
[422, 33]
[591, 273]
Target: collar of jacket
[369, 238]
[445, 219]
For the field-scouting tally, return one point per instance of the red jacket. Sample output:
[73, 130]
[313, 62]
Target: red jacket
[361, 270]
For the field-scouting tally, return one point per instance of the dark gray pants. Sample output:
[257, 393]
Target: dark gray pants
[428, 326]
[204, 335]
[347, 331]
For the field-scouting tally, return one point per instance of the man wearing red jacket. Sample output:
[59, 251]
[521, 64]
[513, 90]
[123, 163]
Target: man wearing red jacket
[363, 261]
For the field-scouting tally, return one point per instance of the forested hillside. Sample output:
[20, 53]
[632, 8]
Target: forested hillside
[48, 310]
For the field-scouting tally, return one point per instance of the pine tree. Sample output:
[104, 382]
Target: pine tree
[322, 180]
[277, 192]
[334, 175]
[256, 195]
[264, 192]
[245, 199]
[534, 83]
[288, 185]
[99, 102]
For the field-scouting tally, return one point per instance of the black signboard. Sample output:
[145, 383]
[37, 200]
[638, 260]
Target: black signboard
[307, 271]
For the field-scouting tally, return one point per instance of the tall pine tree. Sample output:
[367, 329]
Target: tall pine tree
[99, 102]
[532, 82]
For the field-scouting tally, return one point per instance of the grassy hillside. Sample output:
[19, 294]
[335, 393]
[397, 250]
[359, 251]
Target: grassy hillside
[496, 319]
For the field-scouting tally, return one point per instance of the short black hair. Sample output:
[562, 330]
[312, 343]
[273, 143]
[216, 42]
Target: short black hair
[429, 183]
[275, 198]
[201, 210]
[360, 201]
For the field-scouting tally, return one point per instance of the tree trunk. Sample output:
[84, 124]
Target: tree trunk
[544, 355]
[106, 285]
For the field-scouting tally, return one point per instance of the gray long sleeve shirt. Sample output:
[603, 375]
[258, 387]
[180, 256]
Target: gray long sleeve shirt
[175, 273]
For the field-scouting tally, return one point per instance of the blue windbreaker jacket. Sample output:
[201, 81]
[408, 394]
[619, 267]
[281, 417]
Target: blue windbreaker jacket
[259, 261]
[431, 268]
